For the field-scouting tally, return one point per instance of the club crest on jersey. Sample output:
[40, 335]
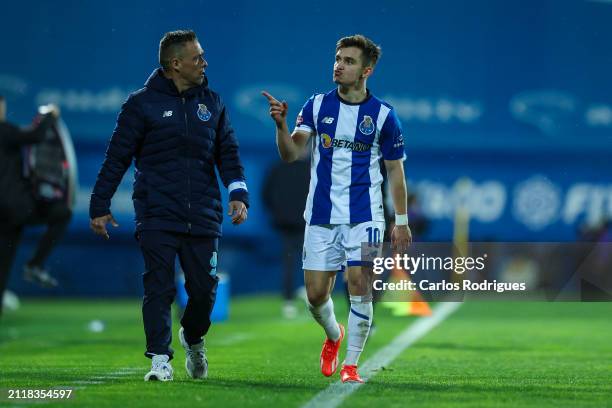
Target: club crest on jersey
[299, 120]
[326, 140]
[367, 126]
[203, 112]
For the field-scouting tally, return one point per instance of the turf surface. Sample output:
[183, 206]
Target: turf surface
[485, 354]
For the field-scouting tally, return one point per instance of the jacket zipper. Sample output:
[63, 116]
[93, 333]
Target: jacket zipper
[188, 170]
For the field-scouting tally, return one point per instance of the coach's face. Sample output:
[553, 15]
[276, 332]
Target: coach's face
[191, 64]
[348, 68]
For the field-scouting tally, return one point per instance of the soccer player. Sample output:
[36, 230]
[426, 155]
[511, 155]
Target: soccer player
[350, 130]
[177, 131]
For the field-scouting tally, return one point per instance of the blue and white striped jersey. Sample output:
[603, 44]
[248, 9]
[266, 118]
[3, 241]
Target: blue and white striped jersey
[348, 142]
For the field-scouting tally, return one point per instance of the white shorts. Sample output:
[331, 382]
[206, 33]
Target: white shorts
[328, 247]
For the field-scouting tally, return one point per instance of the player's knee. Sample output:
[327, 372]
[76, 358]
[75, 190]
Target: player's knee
[354, 281]
[317, 296]
[358, 287]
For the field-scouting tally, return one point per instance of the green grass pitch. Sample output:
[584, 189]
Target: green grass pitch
[485, 354]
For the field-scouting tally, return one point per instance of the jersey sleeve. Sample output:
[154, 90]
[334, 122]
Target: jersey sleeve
[391, 138]
[305, 119]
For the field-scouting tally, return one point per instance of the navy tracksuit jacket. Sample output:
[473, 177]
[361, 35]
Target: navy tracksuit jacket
[176, 140]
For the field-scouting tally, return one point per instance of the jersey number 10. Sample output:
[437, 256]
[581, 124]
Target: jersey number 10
[373, 235]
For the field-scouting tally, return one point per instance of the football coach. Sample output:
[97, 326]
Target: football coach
[177, 130]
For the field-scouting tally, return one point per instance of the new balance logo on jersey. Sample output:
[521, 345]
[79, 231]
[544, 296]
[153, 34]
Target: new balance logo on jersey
[328, 120]
[167, 114]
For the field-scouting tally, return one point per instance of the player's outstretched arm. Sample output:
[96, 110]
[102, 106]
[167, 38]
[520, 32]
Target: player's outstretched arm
[289, 146]
[401, 236]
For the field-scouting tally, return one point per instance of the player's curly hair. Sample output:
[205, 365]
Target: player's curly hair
[370, 50]
[172, 44]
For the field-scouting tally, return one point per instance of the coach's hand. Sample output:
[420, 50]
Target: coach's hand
[98, 224]
[278, 110]
[401, 237]
[238, 212]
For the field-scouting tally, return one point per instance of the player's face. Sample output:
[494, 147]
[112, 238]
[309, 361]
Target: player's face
[348, 68]
[191, 65]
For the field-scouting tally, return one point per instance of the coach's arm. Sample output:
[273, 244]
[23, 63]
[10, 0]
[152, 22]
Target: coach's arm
[127, 136]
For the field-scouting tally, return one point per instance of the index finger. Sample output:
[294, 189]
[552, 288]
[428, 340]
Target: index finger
[269, 97]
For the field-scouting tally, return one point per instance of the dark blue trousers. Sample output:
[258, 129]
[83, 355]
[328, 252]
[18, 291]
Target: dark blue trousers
[198, 258]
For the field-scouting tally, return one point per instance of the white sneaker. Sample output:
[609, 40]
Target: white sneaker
[196, 363]
[161, 370]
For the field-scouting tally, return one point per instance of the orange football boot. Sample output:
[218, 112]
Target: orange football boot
[329, 354]
[349, 374]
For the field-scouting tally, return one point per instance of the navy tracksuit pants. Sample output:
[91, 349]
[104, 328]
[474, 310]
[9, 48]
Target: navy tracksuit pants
[198, 258]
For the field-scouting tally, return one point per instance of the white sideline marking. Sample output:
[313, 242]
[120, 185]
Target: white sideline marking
[81, 382]
[99, 379]
[337, 392]
[108, 377]
[128, 370]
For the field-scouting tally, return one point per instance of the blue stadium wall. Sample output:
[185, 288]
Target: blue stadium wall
[515, 96]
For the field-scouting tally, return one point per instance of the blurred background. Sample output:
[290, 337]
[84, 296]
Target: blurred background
[506, 108]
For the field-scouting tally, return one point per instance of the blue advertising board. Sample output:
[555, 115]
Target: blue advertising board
[513, 96]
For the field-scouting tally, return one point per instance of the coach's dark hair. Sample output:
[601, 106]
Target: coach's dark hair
[371, 52]
[2, 98]
[172, 44]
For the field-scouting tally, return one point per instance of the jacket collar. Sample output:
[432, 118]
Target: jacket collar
[160, 83]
